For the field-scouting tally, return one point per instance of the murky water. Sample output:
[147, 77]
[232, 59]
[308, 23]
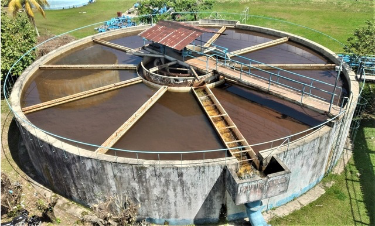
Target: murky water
[94, 121]
[175, 123]
[239, 39]
[132, 40]
[52, 84]
[287, 53]
[254, 116]
[96, 54]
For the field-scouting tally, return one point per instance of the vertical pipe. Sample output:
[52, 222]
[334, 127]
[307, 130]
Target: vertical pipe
[225, 57]
[207, 63]
[216, 62]
[269, 82]
[278, 75]
[253, 211]
[201, 44]
[311, 87]
[334, 88]
[303, 91]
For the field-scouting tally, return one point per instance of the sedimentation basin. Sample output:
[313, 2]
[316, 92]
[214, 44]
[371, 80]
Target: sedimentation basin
[173, 161]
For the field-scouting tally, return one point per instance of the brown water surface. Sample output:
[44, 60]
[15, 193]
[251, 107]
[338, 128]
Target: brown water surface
[95, 122]
[95, 54]
[286, 53]
[175, 123]
[52, 84]
[239, 39]
[255, 117]
[131, 40]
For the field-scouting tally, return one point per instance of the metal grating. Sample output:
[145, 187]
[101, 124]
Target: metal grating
[173, 34]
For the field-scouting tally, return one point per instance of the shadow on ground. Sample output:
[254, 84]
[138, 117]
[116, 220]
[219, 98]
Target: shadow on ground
[362, 159]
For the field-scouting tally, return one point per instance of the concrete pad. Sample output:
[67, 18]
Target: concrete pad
[341, 163]
[312, 195]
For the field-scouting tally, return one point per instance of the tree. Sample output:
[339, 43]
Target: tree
[16, 5]
[362, 42]
[191, 6]
[17, 37]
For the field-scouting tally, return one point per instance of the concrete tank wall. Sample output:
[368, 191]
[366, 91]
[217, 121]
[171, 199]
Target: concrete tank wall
[180, 192]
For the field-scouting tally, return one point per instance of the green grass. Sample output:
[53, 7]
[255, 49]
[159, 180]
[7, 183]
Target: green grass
[337, 18]
[60, 21]
[4, 107]
[351, 200]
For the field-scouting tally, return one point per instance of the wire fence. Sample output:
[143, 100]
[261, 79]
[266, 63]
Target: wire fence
[40, 137]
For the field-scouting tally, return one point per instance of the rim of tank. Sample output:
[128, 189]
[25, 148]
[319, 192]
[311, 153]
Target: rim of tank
[13, 100]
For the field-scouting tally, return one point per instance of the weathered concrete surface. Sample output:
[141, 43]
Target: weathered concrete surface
[258, 188]
[187, 194]
[312, 194]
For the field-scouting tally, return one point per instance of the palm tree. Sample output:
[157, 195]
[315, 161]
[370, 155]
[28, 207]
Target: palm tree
[16, 5]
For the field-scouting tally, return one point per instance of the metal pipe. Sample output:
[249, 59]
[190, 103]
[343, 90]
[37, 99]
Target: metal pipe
[253, 211]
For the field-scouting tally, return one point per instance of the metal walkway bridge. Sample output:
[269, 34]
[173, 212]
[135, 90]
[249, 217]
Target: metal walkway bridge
[309, 92]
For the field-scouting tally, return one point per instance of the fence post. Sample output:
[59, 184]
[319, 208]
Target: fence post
[311, 87]
[216, 63]
[269, 82]
[303, 91]
[207, 63]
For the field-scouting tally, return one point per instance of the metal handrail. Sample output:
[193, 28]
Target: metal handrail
[271, 66]
[277, 75]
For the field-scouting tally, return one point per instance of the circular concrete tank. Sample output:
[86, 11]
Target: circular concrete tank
[185, 175]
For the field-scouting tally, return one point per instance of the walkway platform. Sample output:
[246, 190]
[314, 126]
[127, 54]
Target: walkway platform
[225, 127]
[81, 95]
[116, 136]
[258, 47]
[263, 85]
[368, 78]
[215, 37]
[90, 67]
[289, 66]
[113, 45]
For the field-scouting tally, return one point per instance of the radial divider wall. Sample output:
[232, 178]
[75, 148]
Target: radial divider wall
[131, 121]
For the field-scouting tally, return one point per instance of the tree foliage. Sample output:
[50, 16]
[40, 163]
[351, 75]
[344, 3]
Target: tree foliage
[362, 42]
[17, 37]
[15, 5]
[193, 6]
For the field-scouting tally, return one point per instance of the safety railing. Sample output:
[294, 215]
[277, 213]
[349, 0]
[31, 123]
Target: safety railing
[165, 80]
[221, 58]
[44, 137]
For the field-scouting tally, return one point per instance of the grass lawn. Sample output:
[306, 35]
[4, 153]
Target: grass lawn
[337, 18]
[60, 21]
